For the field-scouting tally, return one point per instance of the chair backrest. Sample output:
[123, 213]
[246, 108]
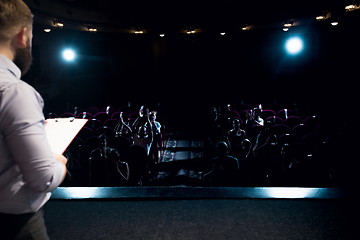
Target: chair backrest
[104, 130]
[301, 130]
[292, 121]
[274, 119]
[312, 121]
[84, 115]
[102, 116]
[81, 153]
[91, 141]
[312, 139]
[93, 110]
[108, 110]
[285, 113]
[266, 113]
[111, 123]
[67, 115]
[288, 139]
[280, 129]
[93, 124]
[84, 133]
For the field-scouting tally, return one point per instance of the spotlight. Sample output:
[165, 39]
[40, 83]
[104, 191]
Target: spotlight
[47, 30]
[162, 35]
[222, 33]
[285, 29]
[294, 45]
[334, 23]
[68, 55]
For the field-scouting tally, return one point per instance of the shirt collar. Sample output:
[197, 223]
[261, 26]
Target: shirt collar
[10, 66]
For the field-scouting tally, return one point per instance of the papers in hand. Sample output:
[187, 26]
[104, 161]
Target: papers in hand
[61, 131]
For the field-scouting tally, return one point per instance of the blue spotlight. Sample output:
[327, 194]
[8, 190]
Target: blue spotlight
[294, 45]
[69, 55]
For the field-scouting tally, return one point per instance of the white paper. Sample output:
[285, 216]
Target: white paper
[61, 131]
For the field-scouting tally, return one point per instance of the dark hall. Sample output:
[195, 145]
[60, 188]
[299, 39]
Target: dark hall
[202, 120]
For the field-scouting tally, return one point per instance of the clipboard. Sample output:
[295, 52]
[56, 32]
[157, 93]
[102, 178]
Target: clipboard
[60, 132]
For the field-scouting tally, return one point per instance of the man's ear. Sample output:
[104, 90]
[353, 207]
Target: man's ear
[21, 38]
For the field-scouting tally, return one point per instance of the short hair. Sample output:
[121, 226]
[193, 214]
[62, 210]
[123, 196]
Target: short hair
[14, 15]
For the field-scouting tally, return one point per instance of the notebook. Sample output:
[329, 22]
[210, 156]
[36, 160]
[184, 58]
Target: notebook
[60, 132]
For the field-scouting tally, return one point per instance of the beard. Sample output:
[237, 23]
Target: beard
[23, 58]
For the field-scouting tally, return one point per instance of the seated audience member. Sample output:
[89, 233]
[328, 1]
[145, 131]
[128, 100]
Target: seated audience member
[280, 167]
[116, 173]
[253, 118]
[266, 136]
[217, 129]
[236, 130]
[123, 129]
[223, 169]
[156, 129]
[143, 135]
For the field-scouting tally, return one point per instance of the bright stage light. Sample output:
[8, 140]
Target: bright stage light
[294, 45]
[68, 55]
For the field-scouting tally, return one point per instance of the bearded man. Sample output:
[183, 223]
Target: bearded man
[29, 170]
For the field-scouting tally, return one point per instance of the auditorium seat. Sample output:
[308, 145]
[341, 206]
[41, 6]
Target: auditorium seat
[93, 124]
[266, 113]
[288, 139]
[311, 139]
[280, 129]
[301, 130]
[93, 110]
[292, 121]
[285, 113]
[274, 120]
[102, 116]
[111, 123]
[84, 115]
[67, 115]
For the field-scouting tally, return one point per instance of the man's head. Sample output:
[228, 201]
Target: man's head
[16, 32]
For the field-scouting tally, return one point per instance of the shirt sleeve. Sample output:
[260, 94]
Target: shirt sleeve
[22, 123]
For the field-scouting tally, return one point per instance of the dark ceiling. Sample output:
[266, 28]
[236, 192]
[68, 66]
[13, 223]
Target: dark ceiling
[204, 13]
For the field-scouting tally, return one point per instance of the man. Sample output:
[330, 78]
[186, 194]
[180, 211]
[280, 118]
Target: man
[29, 171]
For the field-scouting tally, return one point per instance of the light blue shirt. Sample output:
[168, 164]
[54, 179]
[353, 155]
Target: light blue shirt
[28, 169]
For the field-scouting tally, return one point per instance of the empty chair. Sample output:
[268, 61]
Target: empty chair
[312, 121]
[102, 116]
[84, 115]
[104, 130]
[75, 143]
[285, 113]
[92, 110]
[232, 113]
[78, 110]
[81, 153]
[93, 124]
[301, 130]
[67, 115]
[292, 121]
[323, 130]
[280, 129]
[125, 109]
[244, 107]
[288, 139]
[91, 141]
[111, 123]
[274, 120]
[84, 133]
[108, 110]
[312, 139]
[266, 113]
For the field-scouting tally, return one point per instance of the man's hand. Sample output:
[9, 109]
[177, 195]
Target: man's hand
[63, 160]
[60, 158]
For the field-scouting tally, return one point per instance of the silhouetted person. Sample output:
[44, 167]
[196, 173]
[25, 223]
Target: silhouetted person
[223, 169]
